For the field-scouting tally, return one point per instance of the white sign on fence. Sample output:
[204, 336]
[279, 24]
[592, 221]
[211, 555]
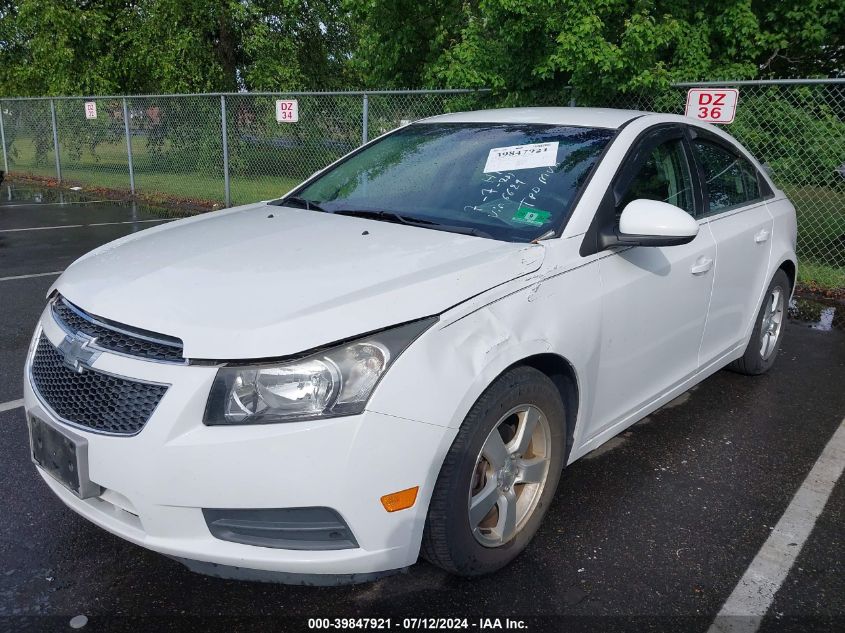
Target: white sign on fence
[712, 106]
[90, 109]
[287, 110]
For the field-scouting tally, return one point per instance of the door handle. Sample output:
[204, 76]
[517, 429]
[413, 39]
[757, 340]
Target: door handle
[701, 266]
[762, 236]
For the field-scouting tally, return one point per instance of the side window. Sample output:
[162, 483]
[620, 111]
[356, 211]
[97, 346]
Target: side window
[664, 176]
[749, 177]
[731, 180]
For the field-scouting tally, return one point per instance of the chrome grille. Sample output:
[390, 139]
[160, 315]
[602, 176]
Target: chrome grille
[92, 399]
[121, 339]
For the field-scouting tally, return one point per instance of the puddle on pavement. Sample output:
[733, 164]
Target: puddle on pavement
[18, 193]
[818, 315]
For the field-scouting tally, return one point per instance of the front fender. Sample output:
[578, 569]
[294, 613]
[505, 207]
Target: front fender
[437, 380]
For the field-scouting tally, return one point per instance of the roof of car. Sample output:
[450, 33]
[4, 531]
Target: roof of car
[586, 117]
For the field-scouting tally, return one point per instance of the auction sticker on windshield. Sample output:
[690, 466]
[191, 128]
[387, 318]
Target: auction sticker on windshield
[521, 157]
[534, 217]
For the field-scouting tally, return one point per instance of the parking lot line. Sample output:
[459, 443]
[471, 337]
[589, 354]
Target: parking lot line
[745, 608]
[49, 204]
[58, 272]
[8, 406]
[42, 228]
[76, 226]
[131, 222]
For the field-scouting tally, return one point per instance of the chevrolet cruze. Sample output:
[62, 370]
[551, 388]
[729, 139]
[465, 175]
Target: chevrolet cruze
[401, 355]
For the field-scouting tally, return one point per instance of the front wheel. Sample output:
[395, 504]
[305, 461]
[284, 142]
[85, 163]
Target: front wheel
[499, 475]
[762, 349]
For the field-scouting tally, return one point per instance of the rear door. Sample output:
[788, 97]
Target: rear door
[654, 299]
[736, 211]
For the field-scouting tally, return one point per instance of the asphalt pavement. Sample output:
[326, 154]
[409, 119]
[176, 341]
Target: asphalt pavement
[652, 531]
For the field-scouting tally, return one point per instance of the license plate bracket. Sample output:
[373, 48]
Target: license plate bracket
[63, 455]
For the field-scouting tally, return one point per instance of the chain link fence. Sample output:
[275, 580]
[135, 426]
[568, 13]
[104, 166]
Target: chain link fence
[796, 128]
[223, 149]
[230, 149]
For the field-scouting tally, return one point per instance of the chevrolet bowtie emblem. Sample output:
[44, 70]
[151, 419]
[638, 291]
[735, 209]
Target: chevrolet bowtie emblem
[77, 352]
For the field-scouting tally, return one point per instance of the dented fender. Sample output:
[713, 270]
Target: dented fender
[556, 310]
[455, 363]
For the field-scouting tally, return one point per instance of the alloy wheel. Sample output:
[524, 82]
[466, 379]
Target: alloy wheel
[772, 323]
[509, 475]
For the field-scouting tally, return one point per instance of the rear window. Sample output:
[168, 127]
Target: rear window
[731, 180]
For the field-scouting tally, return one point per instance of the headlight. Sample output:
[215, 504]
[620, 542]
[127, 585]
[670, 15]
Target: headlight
[332, 382]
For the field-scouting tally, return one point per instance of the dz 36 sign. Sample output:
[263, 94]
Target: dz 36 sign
[712, 106]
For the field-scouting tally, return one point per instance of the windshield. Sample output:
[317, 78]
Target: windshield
[506, 181]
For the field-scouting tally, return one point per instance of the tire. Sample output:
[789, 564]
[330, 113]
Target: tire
[760, 354]
[449, 540]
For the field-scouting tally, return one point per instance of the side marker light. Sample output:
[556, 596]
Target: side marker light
[400, 500]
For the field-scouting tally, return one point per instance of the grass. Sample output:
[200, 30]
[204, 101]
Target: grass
[821, 276]
[153, 175]
[821, 225]
[820, 210]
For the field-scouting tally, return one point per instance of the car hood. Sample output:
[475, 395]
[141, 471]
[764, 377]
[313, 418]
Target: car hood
[263, 281]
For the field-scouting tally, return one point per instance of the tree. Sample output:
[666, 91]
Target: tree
[531, 51]
[803, 39]
[62, 47]
[400, 41]
[50, 47]
[528, 51]
[307, 43]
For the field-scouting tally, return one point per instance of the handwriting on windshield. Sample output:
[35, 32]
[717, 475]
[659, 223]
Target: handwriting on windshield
[503, 193]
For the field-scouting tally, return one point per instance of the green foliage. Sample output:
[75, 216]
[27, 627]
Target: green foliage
[803, 138]
[528, 51]
[821, 276]
[531, 51]
[61, 46]
[401, 40]
[53, 47]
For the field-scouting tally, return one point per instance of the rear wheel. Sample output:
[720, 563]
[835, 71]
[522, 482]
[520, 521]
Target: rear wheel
[762, 349]
[499, 475]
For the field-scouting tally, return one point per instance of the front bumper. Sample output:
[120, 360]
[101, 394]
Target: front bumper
[156, 483]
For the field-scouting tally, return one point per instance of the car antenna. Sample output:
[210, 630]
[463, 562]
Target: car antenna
[544, 236]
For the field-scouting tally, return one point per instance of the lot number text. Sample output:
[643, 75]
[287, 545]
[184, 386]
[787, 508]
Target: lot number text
[287, 110]
[712, 106]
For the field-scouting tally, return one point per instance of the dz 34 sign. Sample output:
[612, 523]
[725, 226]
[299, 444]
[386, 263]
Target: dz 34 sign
[287, 111]
[713, 106]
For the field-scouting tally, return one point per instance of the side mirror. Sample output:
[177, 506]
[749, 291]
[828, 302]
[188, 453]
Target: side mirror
[651, 223]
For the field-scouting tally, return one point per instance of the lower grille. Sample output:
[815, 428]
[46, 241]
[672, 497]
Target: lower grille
[314, 528]
[92, 399]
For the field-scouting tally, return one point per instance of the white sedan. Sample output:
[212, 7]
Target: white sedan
[401, 355]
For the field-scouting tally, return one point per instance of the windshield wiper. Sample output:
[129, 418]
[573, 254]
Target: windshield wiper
[391, 216]
[297, 201]
[464, 230]
[387, 216]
